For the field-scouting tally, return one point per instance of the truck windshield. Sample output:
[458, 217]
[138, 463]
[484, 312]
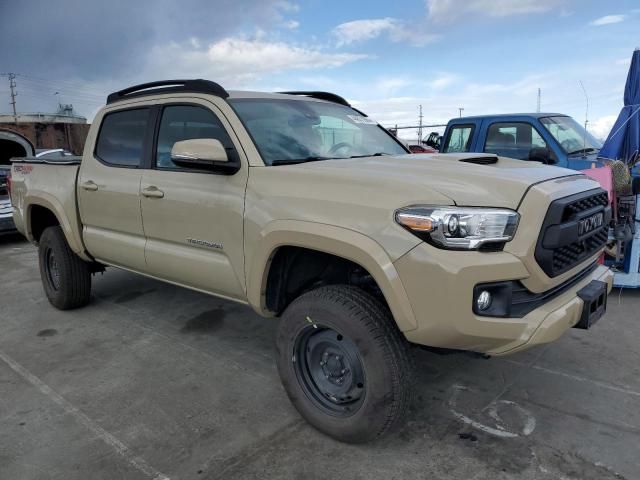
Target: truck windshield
[297, 131]
[571, 136]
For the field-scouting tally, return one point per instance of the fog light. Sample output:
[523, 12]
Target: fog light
[484, 300]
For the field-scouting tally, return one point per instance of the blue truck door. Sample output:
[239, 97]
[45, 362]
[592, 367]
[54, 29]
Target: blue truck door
[513, 137]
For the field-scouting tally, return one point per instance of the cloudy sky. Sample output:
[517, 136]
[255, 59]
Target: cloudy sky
[486, 56]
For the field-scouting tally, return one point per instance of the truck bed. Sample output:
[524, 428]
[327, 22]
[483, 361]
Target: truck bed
[51, 184]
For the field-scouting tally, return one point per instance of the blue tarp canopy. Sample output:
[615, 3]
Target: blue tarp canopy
[623, 142]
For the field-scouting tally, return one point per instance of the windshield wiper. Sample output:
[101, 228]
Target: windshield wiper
[378, 154]
[293, 161]
[584, 150]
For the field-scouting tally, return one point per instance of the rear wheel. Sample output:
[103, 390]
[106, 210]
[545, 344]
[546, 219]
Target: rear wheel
[344, 364]
[66, 278]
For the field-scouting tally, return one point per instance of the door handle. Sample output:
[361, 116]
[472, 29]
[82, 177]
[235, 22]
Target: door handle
[90, 186]
[152, 192]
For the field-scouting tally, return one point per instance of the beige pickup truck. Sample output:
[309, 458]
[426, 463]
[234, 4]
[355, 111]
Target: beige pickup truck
[304, 208]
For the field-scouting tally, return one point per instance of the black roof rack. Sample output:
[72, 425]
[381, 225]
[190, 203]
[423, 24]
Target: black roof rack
[169, 86]
[328, 96]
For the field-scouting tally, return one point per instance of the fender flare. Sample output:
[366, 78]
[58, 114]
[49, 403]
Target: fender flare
[48, 201]
[333, 240]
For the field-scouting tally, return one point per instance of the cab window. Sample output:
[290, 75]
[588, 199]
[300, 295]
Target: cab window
[186, 122]
[513, 139]
[121, 138]
[459, 139]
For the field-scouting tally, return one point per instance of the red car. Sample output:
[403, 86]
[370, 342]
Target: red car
[422, 149]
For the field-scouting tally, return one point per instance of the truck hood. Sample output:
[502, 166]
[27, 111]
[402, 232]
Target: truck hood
[456, 176]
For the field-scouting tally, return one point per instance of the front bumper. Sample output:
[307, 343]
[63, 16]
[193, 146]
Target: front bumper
[442, 301]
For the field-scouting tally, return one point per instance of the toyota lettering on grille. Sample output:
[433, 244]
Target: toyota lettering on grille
[589, 224]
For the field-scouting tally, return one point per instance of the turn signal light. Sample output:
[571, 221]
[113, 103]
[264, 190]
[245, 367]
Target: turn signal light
[416, 223]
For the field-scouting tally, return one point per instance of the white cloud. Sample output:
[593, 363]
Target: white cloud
[608, 20]
[442, 81]
[446, 11]
[498, 94]
[240, 60]
[600, 127]
[367, 29]
[286, 6]
[291, 24]
[389, 86]
[361, 30]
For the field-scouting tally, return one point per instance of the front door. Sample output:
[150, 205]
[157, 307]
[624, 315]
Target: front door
[193, 220]
[109, 189]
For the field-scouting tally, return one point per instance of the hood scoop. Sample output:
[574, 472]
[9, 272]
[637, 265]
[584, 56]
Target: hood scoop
[488, 160]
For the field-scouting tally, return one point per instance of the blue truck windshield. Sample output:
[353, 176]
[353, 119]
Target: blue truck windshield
[570, 135]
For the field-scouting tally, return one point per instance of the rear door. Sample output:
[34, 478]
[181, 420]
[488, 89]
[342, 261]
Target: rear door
[193, 220]
[109, 188]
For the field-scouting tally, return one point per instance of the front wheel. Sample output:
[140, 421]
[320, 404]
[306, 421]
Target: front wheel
[344, 364]
[66, 278]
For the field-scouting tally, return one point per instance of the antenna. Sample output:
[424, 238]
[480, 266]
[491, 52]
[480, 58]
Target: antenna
[586, 116]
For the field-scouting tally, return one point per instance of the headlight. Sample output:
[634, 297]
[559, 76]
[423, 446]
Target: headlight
[460, 228]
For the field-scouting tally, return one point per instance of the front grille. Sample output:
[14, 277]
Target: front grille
[561, 246]
[600, 199]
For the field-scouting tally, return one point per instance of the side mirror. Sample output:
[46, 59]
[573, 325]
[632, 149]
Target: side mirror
[541, 154]
[199, 153]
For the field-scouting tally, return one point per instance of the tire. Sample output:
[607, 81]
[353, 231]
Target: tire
[65, 276]
[360, 337]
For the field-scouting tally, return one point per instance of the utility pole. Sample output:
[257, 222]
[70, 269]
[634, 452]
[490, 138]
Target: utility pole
[420, 124]
[539, 98]
[14, 94]
[460, 110]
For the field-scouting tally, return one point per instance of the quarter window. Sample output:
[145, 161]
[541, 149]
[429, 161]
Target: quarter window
[187, 122]
[459, 139]
[121, 138]
[513, 139]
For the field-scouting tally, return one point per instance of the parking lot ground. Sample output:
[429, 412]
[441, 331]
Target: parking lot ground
[152, 381]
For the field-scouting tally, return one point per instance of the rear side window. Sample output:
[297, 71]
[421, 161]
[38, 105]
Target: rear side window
[459, 139]
[513, 139]
[121, 138]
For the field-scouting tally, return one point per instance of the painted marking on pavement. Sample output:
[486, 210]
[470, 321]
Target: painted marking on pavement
[124, 451]
[499, 430]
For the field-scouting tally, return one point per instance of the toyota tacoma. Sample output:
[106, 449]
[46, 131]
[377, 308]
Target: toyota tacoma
[304, 208]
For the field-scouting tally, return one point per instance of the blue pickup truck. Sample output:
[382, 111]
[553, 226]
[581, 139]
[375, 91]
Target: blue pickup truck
[551, 138]
[557, 139]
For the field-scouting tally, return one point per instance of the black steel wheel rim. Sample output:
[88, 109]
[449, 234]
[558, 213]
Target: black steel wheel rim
[53, 271]
[329, 370]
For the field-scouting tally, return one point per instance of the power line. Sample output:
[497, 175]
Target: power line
[63, 91]
[60, 83]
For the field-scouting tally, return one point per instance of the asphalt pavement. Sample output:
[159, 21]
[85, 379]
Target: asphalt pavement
[152, 381]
